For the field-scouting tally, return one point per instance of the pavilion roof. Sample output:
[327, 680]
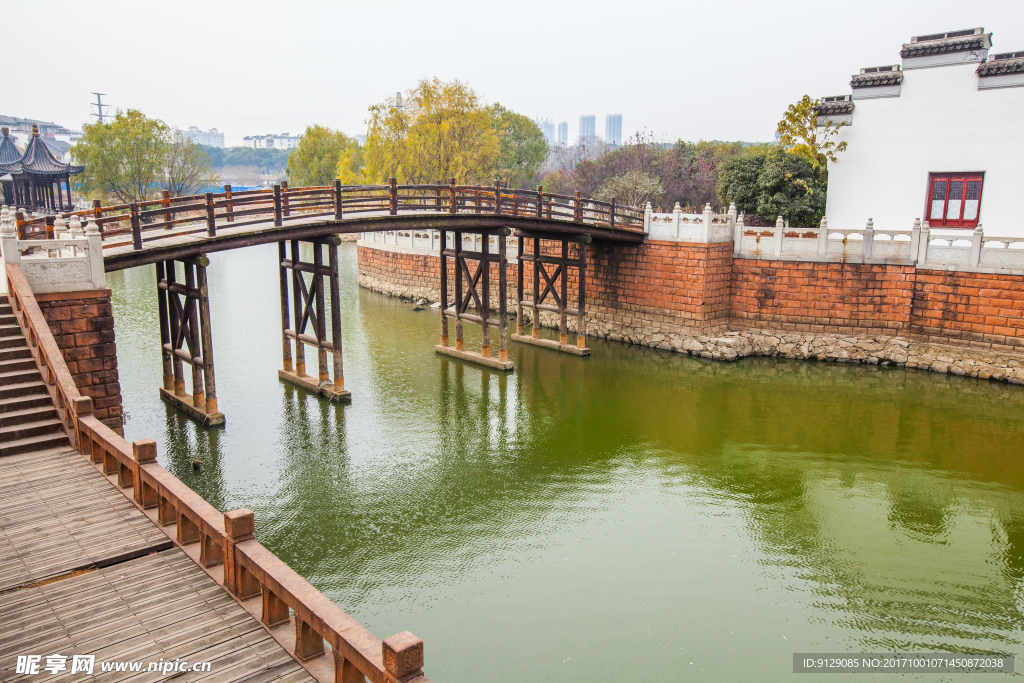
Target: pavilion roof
[9, 154]
[37, 159]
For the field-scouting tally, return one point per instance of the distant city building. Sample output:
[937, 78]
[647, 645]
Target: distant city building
[56, 137]
[613, 129]
[210, 138]
[547, 127]
[563, 133]
[588, 128]
[361, 139]
[283, 141]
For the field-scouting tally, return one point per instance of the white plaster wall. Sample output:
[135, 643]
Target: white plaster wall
[940, 122]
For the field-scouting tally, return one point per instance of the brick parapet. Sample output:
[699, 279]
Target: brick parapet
[82, 324]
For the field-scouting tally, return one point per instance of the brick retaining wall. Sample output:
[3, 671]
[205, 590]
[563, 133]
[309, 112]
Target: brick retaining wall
[696, 298]
[82, 323]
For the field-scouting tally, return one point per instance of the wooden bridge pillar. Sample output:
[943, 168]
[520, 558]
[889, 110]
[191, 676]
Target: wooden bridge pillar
[556, 286]
[473, 285]
[306, 308]
[186, 337]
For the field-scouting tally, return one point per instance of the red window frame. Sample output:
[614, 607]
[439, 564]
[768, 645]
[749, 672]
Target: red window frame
[952, 194]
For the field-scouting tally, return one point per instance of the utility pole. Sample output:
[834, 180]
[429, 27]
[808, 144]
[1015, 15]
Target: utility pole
[99, 105]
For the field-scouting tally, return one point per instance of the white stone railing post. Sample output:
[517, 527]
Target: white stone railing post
[922, 254]
[648, 214]
[677, 215]
[705, 230]
[780, 231]
[738, 236]
[95, 241]
[869, 238]
[976, 242]
[9, 238]
[915, 240]
[823, 237]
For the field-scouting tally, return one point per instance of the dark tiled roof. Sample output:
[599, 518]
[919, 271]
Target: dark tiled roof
[8, 152]
[875, 80]
[38, 160]
[1001, 67]
[834, 108]
[980, 41]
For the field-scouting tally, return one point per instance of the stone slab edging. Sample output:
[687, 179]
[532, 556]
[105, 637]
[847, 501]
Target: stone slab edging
[223, 545]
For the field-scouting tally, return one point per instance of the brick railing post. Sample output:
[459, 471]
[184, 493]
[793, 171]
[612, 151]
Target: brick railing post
[239, 526]
[403, 657]
[144, 452]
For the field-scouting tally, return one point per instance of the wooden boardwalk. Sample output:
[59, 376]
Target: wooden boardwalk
[84, 572]
[58, 514]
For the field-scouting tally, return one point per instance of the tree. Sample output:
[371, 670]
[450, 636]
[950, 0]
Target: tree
[187, 168]
[315, 161]
[124, 158]
[632, 188]
[769, 181]
[439, 130]
[800, 134]
[522, 147]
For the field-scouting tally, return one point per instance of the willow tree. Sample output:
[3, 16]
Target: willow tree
[123, 158]
[437, 130]
[321, 156]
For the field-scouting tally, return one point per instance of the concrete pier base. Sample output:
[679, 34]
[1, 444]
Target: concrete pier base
[214, 419]
[552, 344]
[474, 357]
[311, 384]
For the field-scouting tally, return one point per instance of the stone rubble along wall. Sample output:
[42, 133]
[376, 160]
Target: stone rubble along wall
[82, 324]
[966, 324]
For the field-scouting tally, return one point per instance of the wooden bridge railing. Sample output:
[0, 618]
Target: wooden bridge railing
[164, 217]
[249, 569]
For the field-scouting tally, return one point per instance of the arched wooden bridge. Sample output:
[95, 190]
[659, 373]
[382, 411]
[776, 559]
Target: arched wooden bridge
[185, 229]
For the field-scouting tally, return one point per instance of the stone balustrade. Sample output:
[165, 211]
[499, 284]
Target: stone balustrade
[70, 262]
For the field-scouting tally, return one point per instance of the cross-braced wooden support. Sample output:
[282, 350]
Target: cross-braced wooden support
[186, 337]
[553, 285]
[306, 310]
[473, 286]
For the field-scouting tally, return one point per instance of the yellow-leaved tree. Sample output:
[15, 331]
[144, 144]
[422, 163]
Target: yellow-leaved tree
[437, 130]
[323, 155]
[800, 133]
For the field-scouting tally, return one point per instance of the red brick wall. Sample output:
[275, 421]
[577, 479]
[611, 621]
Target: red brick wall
[700, 289]
[83, 325]
[802, 296]
[979, 310]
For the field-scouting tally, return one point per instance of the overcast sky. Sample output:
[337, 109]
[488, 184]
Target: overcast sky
[714, 70]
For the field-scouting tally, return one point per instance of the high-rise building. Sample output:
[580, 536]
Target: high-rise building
[613, 129]
[547, 127]
[563, 133]
[588, 128]
[210, 138]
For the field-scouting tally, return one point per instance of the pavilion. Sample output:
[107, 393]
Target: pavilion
[35, 181]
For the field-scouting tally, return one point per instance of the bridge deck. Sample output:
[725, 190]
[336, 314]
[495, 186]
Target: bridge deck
[183, 241]
[135, 597]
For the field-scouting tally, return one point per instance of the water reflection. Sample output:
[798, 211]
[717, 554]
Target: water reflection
[609, 518]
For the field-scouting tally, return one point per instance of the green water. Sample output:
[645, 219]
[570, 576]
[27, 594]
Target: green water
[631, 516]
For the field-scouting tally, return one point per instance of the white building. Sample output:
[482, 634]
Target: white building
[588, 128]
[210, 138]
[939, 137]
[283, 141]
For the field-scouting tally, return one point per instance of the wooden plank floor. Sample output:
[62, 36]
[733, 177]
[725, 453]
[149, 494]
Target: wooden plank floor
[161, 606]
[58, 514]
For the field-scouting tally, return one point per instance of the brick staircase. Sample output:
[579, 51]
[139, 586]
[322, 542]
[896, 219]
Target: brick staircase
[28, 420]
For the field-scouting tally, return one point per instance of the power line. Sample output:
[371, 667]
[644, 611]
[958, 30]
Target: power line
[99, 105]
